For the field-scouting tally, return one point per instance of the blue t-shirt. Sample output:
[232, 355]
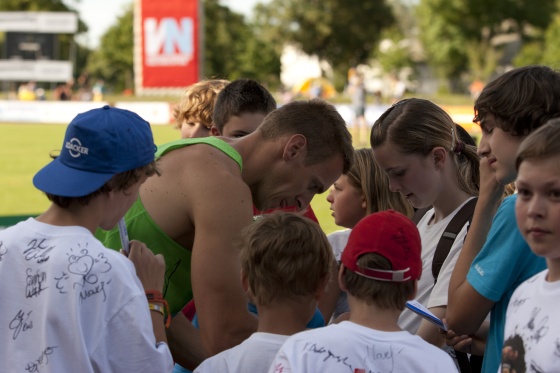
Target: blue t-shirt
[504, 262]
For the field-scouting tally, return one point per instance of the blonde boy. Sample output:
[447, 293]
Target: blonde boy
[193, 113]
[532, 328]
[285, 264]
[381, 265]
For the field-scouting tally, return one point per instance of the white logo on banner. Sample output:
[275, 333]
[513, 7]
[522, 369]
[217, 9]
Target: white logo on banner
[171, 43]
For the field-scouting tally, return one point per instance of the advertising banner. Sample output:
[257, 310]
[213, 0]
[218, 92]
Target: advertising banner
[166, 45]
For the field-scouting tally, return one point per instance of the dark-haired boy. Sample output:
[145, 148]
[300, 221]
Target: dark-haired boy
[495, 258]
[240, 108]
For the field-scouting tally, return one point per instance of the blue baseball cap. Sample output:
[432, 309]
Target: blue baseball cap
[98, 144]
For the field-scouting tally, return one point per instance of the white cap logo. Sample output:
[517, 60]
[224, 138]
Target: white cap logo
[75, 148]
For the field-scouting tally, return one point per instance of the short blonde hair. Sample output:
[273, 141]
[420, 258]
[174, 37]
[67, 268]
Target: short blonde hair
[197, 102]
[284, 256]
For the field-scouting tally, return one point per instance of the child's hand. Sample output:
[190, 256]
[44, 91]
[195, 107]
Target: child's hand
[470, 344]
[150, 268]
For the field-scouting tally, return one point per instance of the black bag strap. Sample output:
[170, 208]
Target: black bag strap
[450, 233]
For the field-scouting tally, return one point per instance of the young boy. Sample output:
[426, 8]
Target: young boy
[285, 264]
[380, 268]
[495, 258]
[240, 108]
[68, 303]
[531, 314]
[193, 113]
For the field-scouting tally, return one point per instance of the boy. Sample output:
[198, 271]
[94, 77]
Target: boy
[495, 258]
[285, 265]
[68, 303]
[531, 316]
[240, 108]
[193, 113]
[380, 268]
[192, 220]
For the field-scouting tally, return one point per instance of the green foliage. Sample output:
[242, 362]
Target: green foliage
[551, 51]
[395, 56]
[341, 32]
[113, 60]
[462, 35]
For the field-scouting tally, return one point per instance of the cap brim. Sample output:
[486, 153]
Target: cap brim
[60, 180]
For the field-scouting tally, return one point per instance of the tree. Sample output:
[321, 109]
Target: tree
[470, 35]
[113, 61]
[341, 32]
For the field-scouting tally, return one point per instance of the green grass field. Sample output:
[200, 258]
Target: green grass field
[25, 148]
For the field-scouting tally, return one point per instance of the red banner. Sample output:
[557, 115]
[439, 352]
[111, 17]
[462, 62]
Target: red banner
[168, 44]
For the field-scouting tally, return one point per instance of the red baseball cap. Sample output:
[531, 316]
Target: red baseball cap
[391, 235]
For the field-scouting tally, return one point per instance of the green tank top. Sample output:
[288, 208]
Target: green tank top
[177, 288]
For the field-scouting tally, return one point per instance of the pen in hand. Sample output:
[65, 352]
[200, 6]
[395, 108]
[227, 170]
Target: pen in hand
[124, 235]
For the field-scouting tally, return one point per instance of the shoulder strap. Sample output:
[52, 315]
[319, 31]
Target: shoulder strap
[448, 237]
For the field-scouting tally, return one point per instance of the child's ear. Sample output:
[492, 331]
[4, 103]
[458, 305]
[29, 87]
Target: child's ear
[413, 294]
[322, 288]
[439, 155]
[341, 282]
[244, 282]
[214, 131]
[295, 146]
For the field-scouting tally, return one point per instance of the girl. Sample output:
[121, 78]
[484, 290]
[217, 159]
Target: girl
[418, 146]
[362, 191]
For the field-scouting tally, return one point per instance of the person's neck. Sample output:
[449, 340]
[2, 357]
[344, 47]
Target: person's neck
[373, 316]
[285, 318]
[553, 266]
[448, 202]
[74, 215]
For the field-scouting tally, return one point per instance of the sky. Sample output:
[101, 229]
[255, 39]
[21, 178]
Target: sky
[99, 15]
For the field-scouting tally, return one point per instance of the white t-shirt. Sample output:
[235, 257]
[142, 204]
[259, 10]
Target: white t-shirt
[428, 294]
[255, 354]
[338, 241]
[71, 305]
[532, 329]
[348, 347]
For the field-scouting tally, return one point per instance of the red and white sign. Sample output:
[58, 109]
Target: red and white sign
[167, 46]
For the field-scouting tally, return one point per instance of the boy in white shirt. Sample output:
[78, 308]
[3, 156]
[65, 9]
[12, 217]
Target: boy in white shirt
[68, 303]
[381, 265]
[532, 330]
[285, 265]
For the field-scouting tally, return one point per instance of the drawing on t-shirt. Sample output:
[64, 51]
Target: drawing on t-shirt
[85, 274]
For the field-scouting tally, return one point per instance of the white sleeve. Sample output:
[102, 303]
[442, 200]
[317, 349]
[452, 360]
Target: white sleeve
[438, 296]
[128, 344]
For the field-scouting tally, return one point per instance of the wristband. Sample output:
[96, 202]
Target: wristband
[157, 308]
[155, 296]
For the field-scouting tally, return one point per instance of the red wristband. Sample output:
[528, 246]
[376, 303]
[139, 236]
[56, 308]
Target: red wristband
[155, 296]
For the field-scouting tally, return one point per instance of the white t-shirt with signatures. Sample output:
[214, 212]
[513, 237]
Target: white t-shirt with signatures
[68, 304]
[349, 347]
[532, 329]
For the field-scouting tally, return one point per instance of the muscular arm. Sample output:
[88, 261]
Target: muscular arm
[467, 309]
[221, 209]
[184, 342]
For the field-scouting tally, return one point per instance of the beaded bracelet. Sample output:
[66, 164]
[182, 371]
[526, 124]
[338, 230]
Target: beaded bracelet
[155, 296]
